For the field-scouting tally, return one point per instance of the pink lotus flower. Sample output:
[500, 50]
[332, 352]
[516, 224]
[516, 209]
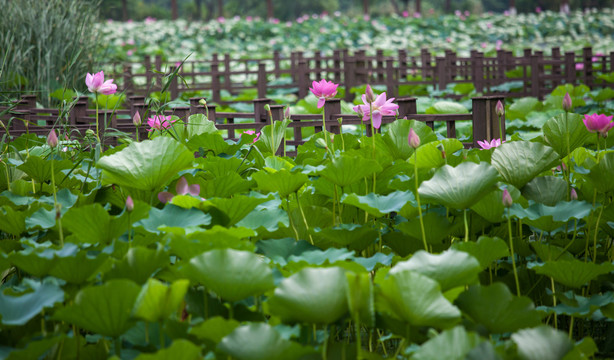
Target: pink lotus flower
[182, 188]
[599, 123]
[485, 145]
[381, 107]
[252, 132]
[405, 13]
[96, 84]
[159, 122]
[323, 90]
[579, 66]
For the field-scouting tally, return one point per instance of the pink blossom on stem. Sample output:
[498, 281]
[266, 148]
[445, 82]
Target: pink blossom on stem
[96, 84]
[485, 145]
[598, 123]
[381, 107]
[182, 188]
[506, 199]
[324, 90]
[159, 122]
[252, 132]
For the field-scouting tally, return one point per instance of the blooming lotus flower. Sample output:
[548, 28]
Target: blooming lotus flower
[485, 145]
[599, 123]
[252, 132]
[159, 122]
[324, 90]
[380, 106]
[96, 84]
[182, 188]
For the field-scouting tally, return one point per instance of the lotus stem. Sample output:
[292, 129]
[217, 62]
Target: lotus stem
[509, 226]
[324, 127]
[56, 207]
[426, 247]
[595, 235]
[466, 225]
[290, 219]
[325, 345]
[571, 327]
[556, 326]
[97, 126]
[298, 203]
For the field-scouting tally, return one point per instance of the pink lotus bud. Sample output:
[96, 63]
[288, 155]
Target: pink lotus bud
[370, 96]
[287, 112]
[129, 203]
[573, 195]
[567, 106]
[507, 199]
[52, 139]
[413, 139]
[499, 109]
[136, 119]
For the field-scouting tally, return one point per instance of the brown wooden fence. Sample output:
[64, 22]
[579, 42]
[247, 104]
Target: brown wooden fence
[24, 117]
[534, 72]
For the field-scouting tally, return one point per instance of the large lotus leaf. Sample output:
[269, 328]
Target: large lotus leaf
[139, 264]
[214, 328]
[451, 268]
[261, 342]
[90, 224]
[428, 156]
[579, 306]
[520, 161]
[346, 170]
[271, 136]
[312, 295]
[12, 221]
[565, 133]
[497, 309]
[219, 166]
[269, 219]
[199, 124]
[18, 310]
[360, 297]
[397, 133]
[379, 205]
[174, 216]
[39, 169]
[231, 274]
[451, 344]
[213, 142]
[542, 343]
[319, 257]
[547, 190]
[284, 182]
[196, 243]
[548, 218]
[103, 309]
[573, 273]
[279, 250]
[157, 301]
[459, 187]
[34, 349]
[235, 208]
[601, 175]
[436, 227]
[146, 165]
[78, 267]
[354, 236]
[447, 107]
[491, 208]
[225, 186]
[416, 299]
[486, 249]
[179, 349]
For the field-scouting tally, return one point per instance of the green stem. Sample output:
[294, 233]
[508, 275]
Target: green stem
[571, 327]
[372, 131]
[325, 345]
[466, 225]
[55, 201]
[556, 326]
[324, 128]
[595, 235]
[420, 206]
[300, 209]
[290, 218]
[509, 226]
[97, 127]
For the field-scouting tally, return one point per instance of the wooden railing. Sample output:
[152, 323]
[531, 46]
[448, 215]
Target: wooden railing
[24, 117]
[536, 73]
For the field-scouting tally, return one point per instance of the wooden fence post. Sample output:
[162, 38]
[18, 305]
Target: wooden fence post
[303, 78]
[535, 76]
[501, 67]
[441, 71]
[425, 60]
[174, 86]
[337, 63]
[349, 64]
[148, 72]
[195, 106]
[392, 82]
[587, 60]
[128, 83]
[332, 107]
[260, 114]
[262, 80]
[477, 71]
[276, 63]
[215, 82]
[556, 68]
[79, 111]
[570, 67]
[227, 82]
[407, 107]
[485, 121]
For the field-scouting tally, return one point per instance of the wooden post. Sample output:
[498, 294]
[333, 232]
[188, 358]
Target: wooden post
[535, 83]
[303, 78]
[227, 82]
[379, 63]
[174, 86]
[174, 12]
[183, 112]
[332, 107]
[128, 84]
[407, 107]
[277, 63]
[391, 79]
[402, 63]
[349, 76]
[587, 60]
[425, 59]
[148, 72]
[477, 71]
[360, 68]
[215, 82]
[337, 63]
[195, 106]
[262, 80]
[440, 69]
[158, 64]
[260, 114]
[79, 111]
[570, 67]
[556, 68]
[501, 66]
[486, 123]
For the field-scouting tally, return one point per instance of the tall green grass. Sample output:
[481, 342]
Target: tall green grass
[46, 45]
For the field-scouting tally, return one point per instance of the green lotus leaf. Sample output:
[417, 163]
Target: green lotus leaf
[139, 264]
[601, 175]
[429, 155]
[199, 124]
[346, 170]
[235, 208]
[157, 301]
[271, 136]
[486, 249]
[491, 208]
[573, 273]
[179, 349]
[497, 309]
[198, 242]
[379, 205]
[214, 329]
[231, 274]
[547, 190]
[542, 343]
[104, 309]
[416, 299]
[360, 297]
[174, 216]
[565, 132]
[261, 342]
[447, 107]
[146, 165]
[398, 132]
[548, 218]
[582, 307]
[39, 169]
[76, 267]
[213, 142]
[450, 269]
[312, 295]
[521, 161]
[225, 186]
[283, 182]
[12, 221]
[452, 344]
[459, 187]
[354, 236]
[436, 227]
[18, 310]
[279, 250]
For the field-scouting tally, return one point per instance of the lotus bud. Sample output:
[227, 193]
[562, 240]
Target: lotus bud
[442, 149]
[90, 132]
[287, 112]
[129, 203]
[507, 199]
[321, 143]
[203, 102]
[413, 139]
[136, 119]
[567, 106]
[370, 96]
[340, 121]
[499, 109]
[573, 195]
[267, 107]
[52, 139]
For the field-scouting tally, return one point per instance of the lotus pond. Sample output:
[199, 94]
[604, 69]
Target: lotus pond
[401, 245]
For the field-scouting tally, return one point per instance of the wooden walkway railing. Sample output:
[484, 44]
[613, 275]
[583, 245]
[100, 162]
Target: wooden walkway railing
[536, 73]
[24, 117]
